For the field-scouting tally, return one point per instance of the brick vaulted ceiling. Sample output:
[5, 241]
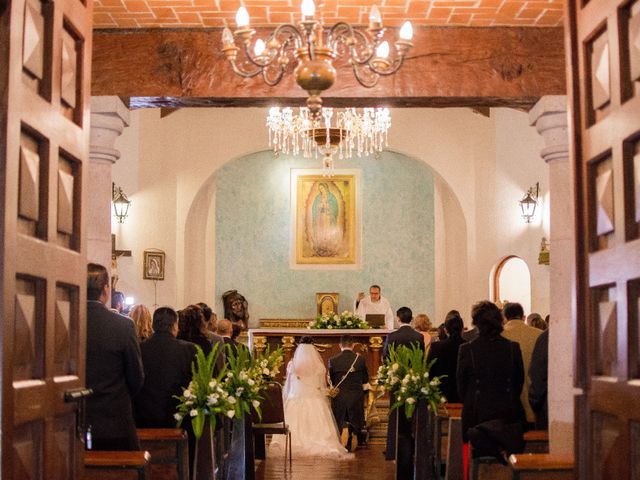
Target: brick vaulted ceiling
[127, 14]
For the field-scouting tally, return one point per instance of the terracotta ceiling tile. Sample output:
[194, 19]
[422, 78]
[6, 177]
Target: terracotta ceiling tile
[112, 3]
[188, 17]
[102, 18]
[435, 13]
[269, 12]
[419, 8]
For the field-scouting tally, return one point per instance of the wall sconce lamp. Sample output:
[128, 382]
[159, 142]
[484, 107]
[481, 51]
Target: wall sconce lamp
[529, 203]
[120, 203]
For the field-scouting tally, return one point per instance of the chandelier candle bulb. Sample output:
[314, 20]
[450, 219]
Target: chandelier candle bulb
[242, 18]
[383, 50]
[406, 32]
[227, 37]
[308, 8]
[375, 19]
[259, 47]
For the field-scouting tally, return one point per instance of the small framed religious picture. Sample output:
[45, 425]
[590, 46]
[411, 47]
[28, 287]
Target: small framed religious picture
[153, 265]
[327, 303]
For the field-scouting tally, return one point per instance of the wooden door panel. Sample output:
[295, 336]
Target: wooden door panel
[43, 147]
[604, 65]
[633, 312]
[27, 451]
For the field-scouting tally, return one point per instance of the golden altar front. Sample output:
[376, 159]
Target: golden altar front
[368, 343]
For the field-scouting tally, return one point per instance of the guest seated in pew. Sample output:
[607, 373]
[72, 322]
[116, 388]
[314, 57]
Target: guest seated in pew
[405, 335]
[422, 324]
[167, 369]
[211, 320]
[114, 368]
[141, 317]
[446, 355]
[538, 376]
[192, 327]
[229, 332]
[490, 378]
[516, 330]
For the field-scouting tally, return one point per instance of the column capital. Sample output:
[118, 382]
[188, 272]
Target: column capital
[109, 116]
[550, 118]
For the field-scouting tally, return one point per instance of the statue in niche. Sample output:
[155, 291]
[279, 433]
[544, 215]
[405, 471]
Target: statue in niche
[236, 307]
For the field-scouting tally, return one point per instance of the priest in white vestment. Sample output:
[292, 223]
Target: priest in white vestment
[375, 304]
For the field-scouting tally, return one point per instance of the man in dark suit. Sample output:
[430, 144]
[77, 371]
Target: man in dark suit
[407, 336]
[114, 368]
[229, 331]
[348, 405]
[446, 354]
[167, 371]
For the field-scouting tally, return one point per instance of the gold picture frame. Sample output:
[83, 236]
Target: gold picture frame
[153, 265]
[327, 303]
[325, 219]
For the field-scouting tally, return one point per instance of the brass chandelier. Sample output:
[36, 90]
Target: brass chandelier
[314, 47]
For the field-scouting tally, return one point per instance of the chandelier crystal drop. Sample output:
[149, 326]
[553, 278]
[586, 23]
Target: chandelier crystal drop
[313, 47]
[335, 131]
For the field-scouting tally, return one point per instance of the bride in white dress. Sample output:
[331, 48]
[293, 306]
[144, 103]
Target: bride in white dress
[307, 410]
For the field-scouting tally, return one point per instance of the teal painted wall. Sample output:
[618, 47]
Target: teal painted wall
[253, 232]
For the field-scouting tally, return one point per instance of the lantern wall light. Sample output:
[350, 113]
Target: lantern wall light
[120, 203]
[529, 203]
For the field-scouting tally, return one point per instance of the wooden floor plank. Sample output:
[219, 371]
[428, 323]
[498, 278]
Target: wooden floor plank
[368, 462]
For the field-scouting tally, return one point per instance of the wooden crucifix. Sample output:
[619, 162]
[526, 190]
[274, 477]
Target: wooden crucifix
[115, 254]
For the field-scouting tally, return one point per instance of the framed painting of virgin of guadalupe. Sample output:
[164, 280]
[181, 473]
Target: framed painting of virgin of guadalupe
[326, 218]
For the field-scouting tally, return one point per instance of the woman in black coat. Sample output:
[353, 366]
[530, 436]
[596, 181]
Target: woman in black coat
[490, 378]
[446, 354]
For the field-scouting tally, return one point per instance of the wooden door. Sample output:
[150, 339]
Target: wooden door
[604, 92]
[45, 50]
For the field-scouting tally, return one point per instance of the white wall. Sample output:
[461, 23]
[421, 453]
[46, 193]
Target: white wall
[482, 166]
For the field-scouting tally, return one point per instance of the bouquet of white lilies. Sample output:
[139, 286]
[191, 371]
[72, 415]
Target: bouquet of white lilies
[405, 375]
[205, 396]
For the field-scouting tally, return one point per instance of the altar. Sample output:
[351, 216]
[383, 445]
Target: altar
[368, 343]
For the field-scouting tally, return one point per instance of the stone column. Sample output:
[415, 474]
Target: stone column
[549, 116]
[109, 116]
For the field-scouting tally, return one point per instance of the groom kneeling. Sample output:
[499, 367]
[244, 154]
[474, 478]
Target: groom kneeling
[348, 372]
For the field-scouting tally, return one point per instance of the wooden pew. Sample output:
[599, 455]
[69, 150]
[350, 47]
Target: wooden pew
[541, 465]
[169, 448]
[108, 465]
[453, 410]
[536, 441]
[455, 455]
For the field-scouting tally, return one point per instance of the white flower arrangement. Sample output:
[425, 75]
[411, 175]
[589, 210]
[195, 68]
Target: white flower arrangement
[346, 320]
[405, 375]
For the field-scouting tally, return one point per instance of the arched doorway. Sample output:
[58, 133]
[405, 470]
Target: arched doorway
[511, 282]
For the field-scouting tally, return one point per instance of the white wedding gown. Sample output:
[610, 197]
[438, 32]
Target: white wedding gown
[307, 409]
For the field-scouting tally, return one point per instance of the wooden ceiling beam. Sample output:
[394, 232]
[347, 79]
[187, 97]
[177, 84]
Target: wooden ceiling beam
[448, 67]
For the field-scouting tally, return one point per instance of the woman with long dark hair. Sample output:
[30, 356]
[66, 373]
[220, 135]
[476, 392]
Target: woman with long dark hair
[192, 327]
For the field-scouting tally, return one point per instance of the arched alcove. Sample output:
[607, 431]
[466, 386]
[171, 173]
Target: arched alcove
[448, 250]
[511, 282]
